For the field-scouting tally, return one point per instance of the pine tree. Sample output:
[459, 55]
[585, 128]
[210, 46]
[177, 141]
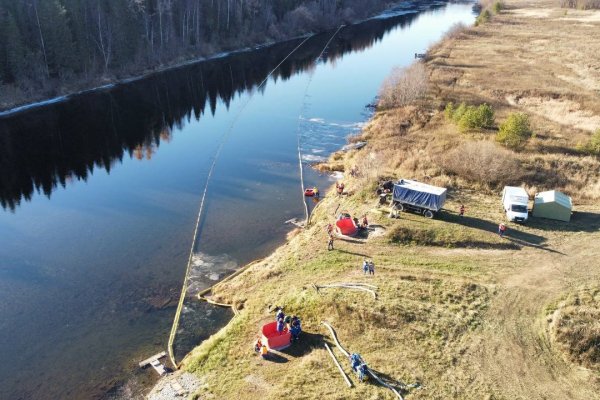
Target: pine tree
[12, 49]
[57, 36]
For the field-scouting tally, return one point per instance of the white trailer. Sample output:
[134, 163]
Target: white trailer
[515, 201]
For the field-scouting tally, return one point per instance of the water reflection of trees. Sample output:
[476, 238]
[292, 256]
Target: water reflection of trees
[48, 147]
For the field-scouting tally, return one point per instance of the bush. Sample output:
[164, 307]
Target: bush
[483, 17]
[456, 31]
[404, 86]
[515, 131]
[497, 7]
[594, 144]
[470, 117]
[580, 4]
[484, 163]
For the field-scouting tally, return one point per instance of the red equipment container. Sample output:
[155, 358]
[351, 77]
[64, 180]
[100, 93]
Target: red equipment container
[346, 226]
[275, 340]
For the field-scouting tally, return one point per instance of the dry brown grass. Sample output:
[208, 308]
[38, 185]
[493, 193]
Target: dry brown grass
[466, 321]
[515, 63]
[575, 325]
[483, 163]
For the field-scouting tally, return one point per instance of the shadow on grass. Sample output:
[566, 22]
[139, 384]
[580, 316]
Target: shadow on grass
[524, 238]
[274, 357]
[352, 253]
[523, 243]
[348, 239]
[396, 384]
[305, 344]
[581, 221]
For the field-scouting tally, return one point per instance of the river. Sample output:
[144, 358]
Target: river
[100, 195]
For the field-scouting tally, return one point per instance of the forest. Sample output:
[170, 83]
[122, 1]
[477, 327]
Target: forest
[52, 47]
[97, 130]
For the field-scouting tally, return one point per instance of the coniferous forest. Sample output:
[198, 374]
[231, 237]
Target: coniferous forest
[52, 47]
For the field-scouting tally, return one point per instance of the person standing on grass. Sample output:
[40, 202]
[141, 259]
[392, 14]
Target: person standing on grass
[280, 326]
[329, 229]
[330, 243]
[501, 229]
[365, 266]
[365, 222]
[371, 268]
[461, 210]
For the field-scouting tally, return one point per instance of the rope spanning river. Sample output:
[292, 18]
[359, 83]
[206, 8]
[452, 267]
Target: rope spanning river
[100, 194]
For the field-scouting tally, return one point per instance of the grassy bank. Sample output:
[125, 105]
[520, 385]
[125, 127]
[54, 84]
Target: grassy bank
[460, 311]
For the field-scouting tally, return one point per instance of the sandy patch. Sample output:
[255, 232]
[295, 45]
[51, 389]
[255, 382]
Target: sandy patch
[586, 76]
[564, 112]
[533, 12]
[591, 16]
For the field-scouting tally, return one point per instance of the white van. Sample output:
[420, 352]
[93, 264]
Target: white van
[515, 201]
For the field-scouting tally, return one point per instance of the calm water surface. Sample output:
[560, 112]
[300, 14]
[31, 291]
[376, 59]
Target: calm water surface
[100, 195]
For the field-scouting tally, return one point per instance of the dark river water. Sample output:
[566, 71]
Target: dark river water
[100, 196]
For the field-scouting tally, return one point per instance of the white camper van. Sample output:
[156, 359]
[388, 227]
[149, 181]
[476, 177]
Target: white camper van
[515, 201]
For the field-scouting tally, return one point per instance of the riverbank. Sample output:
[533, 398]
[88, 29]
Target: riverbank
[460, 311]
[15, 99]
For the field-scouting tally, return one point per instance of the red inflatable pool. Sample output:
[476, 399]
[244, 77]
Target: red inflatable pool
[346, 226]
[275, 340]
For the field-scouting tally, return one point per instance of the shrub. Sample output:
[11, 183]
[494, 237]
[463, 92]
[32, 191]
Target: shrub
[485, 116]
[403, 86]
[459, 112]
[449, 110]
[484, 163]
[470, 117]
[497, 7]
[455, 30]
[515, 131]
[483, 17]
[580, 4]
[594, 144]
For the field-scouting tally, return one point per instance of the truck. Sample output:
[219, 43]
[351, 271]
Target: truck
[409, 195]
[514, 202]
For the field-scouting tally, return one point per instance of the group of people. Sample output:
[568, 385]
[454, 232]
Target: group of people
[368, 267]
[261, 348]
[291, 323]
[364, 224]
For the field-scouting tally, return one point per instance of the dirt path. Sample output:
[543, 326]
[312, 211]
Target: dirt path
[516, 356]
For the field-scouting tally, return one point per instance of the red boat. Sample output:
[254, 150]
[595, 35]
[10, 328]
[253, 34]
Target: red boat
[309, 192]
[276, 340]
[346, 226]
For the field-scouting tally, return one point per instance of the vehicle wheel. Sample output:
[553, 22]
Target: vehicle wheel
[399, 207]
[428, 214]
